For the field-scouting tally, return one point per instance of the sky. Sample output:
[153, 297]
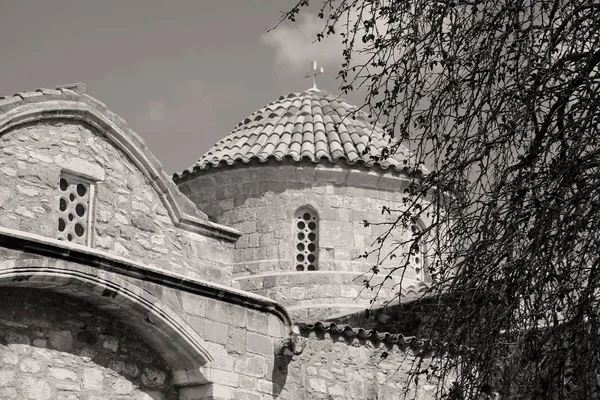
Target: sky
[182, 73]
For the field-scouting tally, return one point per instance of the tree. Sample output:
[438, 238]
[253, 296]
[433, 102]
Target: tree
[500, 99]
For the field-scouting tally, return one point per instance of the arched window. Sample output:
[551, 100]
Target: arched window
[306, 236]
[416, 252]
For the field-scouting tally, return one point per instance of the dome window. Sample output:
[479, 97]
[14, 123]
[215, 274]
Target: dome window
[306, 239]
[416, 253]
[74, 214]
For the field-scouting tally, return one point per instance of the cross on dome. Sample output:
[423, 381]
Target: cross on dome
[313, 73]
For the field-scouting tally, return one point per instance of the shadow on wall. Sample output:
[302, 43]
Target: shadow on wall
[280, 373]
[285, 352]
[52, 343]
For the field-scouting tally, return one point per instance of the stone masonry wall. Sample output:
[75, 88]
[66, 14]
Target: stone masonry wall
[130, 220]
[260, 200]
[242, 341]
[54, 347]
[338, 367]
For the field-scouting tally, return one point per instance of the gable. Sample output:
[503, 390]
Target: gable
[71, 170]
[66, 105]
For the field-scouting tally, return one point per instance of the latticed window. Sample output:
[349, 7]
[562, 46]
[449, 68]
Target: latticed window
[307, 234]
[74, 217]
[416, 253]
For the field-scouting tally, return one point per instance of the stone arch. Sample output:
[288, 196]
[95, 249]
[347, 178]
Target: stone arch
[161, 328]
[66, 104]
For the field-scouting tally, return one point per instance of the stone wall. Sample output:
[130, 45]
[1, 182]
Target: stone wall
[54, 347]
[261, 199]
[130, 219]
[340, 367]
[241, 340]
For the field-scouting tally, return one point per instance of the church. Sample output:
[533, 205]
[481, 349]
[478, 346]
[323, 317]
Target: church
[238, 278]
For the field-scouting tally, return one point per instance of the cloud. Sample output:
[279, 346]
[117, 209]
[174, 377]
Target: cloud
[156, 110]
[295, 46]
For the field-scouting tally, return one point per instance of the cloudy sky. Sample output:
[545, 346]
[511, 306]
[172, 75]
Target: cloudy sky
[181, 72]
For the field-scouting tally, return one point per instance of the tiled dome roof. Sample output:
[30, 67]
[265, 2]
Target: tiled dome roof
[313, 125]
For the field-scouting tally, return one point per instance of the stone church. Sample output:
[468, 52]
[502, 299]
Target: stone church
[239, 278]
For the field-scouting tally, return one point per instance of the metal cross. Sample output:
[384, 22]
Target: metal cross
[313, 73]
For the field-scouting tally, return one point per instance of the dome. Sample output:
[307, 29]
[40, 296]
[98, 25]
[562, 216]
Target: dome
[313, 125]
[301, 216]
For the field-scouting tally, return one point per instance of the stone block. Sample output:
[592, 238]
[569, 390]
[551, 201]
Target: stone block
[259, 344]
[236, 341]
[318, 385]
[334, 233]
[356, 385]
[212, 392]
[257, 321]
[282, 173]
[265, 386]
[195, 392]
[111, 343]
[328, 213]
[297, 293]
[245, 395]
[9, 358]
[144, 222]
[35, 388]
[216, 310]
[225, 377]
[305, 173]
[335, 174]
[222, 359]
[153, 378]
[63, 374]
[93, 379]
[340, 189]
[336, 390]
[358, 177]
[8, 393]
[122, 387]
[224, 312]
[29, 365]
[370, 193]
[197, 324]
[392, 183]
[251, 284]
[215, 332]
[61, 340]
[247, 382]
[213, 252]
[251, 365]
[193, 304]
[354, 191]
[275, 326]
[7, 378]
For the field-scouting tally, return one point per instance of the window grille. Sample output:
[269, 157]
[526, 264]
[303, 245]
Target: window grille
[416, 253]
[307, 234]
[75, 214]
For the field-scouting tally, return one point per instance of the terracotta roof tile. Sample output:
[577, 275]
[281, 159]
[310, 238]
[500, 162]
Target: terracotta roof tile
[313, 125]
[371, 335]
